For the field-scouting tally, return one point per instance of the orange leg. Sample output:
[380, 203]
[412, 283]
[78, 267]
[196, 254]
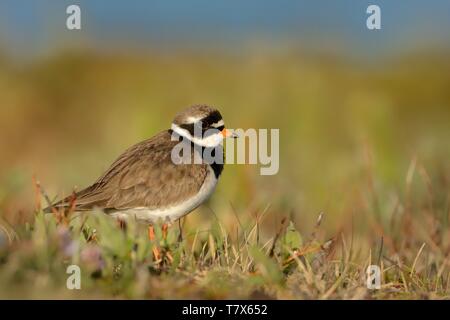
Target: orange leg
[151, 233]
[151, 236]
[165, 228]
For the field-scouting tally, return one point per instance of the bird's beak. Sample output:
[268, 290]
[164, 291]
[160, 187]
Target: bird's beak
[228, 134]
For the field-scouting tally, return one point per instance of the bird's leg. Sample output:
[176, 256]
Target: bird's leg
[151, 236]
[151, 233]
[180, 228]
[122, 224]
[165, 227]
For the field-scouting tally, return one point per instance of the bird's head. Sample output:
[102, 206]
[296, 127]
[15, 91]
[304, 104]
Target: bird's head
[202, 125]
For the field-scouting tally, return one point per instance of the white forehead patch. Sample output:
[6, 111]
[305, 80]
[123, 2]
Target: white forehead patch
[212, 140]
[218, 124]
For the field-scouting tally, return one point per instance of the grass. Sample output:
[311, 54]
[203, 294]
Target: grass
[220, 262]
[364, 177]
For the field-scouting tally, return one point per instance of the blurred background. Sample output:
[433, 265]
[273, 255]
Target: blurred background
[363, 115]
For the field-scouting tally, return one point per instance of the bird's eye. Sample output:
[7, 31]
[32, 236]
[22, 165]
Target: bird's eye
[220, 128]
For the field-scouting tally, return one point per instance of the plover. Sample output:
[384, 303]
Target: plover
[145, 183]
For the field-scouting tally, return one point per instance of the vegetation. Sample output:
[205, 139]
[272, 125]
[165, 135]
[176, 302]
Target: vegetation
[364, 176]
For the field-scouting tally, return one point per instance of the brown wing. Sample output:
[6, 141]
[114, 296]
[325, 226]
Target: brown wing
[143, 176]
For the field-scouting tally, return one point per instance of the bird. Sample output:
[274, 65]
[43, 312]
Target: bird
[146, 184]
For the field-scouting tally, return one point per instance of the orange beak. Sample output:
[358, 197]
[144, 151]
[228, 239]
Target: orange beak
[227, 133]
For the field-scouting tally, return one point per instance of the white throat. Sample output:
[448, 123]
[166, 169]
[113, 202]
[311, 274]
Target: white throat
[211, 140]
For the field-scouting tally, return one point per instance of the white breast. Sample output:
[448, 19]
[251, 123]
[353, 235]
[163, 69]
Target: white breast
[170, 214]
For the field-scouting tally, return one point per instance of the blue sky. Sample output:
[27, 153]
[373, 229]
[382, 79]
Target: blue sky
[30, 27]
